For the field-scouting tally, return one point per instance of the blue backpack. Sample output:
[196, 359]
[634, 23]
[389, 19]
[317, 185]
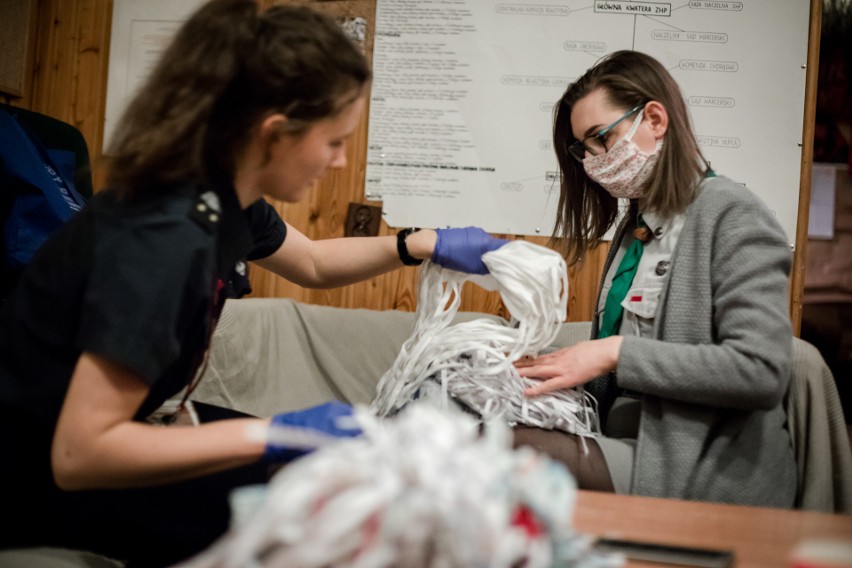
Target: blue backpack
[37, 193]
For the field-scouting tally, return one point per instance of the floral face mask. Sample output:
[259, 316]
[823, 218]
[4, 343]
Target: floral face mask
[624, 170]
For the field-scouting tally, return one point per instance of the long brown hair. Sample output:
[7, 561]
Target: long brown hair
[586, 210]
[228, 67]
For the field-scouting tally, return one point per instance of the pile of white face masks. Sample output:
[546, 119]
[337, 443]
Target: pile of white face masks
[423, 489]
[472, 361]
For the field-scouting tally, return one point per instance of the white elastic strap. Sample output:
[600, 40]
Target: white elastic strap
[423, 490]
[475, 357]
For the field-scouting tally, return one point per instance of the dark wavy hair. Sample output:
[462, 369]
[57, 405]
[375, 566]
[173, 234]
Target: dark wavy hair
[586, 211]
[229, 67]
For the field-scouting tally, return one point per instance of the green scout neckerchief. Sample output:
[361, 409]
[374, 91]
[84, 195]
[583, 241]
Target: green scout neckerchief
[620, 286]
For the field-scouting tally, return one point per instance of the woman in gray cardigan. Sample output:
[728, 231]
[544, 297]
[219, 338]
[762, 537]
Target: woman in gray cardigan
[690, 351]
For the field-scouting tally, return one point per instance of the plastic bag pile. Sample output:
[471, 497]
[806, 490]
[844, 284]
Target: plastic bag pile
[424, 489]
[471, 362]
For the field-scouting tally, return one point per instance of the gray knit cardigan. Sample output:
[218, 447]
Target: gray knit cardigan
[713, 377]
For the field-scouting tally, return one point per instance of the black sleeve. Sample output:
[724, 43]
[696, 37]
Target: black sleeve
[267, 228]
[146, 296]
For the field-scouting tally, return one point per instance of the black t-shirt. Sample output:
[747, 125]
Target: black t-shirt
[139, 283]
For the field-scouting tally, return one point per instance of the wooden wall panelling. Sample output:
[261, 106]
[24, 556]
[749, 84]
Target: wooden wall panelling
[94, 20]
[323, 214]
[583, 281]
[797, 277]
[56, 61]
[69, 83]
[70, 68]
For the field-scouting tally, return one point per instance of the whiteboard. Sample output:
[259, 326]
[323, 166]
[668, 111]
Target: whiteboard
[141, 31]
[461, 105]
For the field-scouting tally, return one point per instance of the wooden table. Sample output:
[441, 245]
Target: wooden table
[758, 536]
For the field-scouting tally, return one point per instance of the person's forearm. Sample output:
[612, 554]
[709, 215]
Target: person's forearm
[339, 262]
[97, 444]
[133, 454]
[345, 261]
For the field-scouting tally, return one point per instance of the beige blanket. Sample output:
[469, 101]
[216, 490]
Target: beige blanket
[272, 355]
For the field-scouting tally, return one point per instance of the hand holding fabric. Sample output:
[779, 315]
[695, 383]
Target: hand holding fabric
[571, 366]
[462, 249]
[293, 434]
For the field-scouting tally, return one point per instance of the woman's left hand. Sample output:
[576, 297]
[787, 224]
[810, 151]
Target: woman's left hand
[462, 249]
[571, 366]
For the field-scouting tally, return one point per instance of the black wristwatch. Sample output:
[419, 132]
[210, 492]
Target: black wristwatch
[402, 248]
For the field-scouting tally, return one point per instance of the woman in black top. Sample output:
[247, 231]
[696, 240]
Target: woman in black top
[114, 314]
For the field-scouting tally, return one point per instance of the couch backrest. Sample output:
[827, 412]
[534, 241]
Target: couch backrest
[271, 355]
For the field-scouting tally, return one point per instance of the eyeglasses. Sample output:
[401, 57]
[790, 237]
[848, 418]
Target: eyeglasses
[595, 144]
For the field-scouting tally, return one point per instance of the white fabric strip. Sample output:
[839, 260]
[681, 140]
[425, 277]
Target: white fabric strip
[473, 360]
[424, 490]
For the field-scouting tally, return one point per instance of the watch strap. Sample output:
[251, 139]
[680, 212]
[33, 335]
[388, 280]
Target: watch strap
[402, 247]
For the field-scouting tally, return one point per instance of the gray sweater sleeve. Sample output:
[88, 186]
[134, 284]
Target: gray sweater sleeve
[722, 333]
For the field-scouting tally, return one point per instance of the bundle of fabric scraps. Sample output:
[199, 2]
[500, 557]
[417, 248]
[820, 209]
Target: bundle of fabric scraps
[471, 362]
[421, 490]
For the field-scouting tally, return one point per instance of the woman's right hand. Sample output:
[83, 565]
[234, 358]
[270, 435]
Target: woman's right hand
[572, 366]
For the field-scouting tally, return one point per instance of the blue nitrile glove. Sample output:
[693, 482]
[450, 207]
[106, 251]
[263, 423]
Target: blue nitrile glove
[293, 434]
[462, 249]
